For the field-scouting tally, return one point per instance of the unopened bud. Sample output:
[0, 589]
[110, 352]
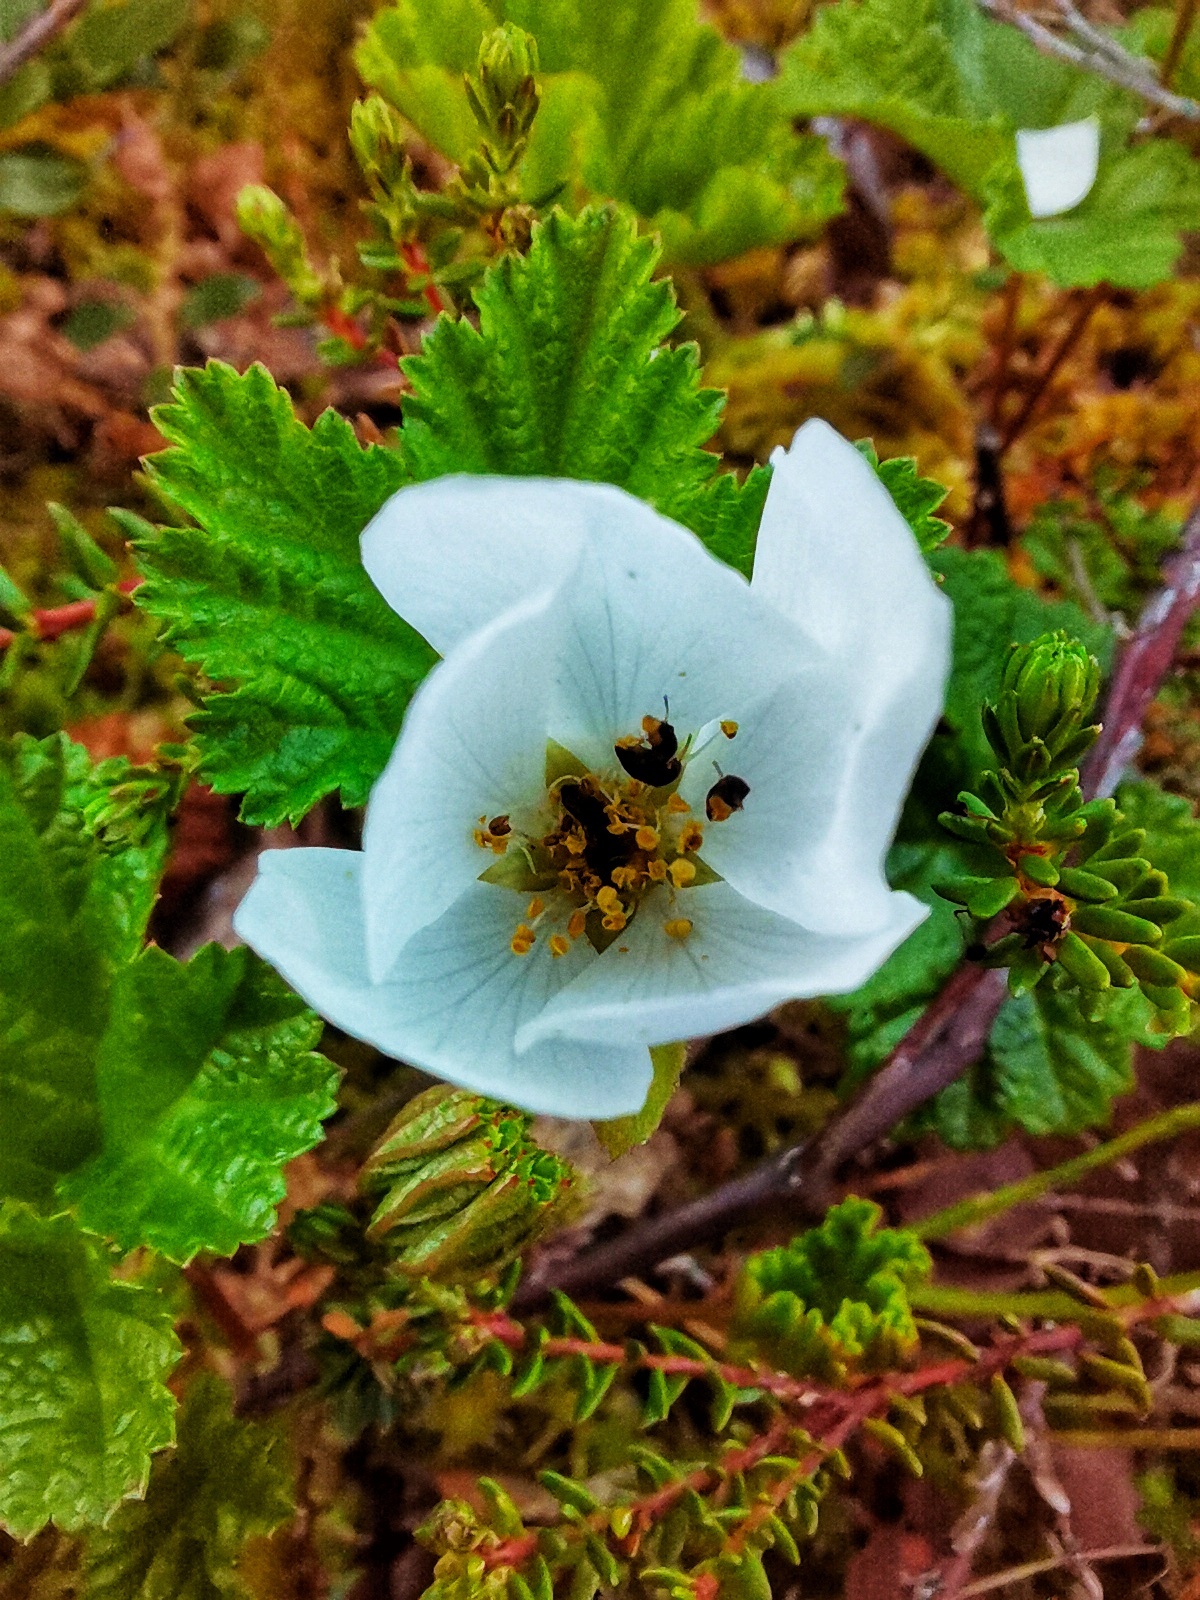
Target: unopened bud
[1053, 681]
[503, 91]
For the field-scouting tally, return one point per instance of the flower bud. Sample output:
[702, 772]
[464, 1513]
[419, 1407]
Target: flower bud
[503, 91]
[377, 139]
[465, 1186]
[1051, 684]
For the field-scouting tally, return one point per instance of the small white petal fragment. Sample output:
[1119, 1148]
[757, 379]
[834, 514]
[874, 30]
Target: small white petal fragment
[1058, 165]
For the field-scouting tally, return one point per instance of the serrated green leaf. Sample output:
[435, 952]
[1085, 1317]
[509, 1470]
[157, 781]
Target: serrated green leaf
[568, 376]
[268, 593]
[1054, 1071]
[226, 1480]
[641, 102]
[70, 913]
[82, 1362]
[207, 1086]
[916, 498]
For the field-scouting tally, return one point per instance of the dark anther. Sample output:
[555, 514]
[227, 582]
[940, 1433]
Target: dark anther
[725, 797]
[655, 760]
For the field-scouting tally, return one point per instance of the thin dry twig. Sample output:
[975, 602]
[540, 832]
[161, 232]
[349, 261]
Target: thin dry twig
[37, 34]
[943, 1043]
[1095, 52]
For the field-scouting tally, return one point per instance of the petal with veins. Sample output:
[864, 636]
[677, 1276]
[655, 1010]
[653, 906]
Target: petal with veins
[1058, 165]
[737, 962]
[457, 997]
[474, 743]
[837, 558]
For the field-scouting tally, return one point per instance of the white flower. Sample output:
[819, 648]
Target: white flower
[639, 799]
[1058, 165]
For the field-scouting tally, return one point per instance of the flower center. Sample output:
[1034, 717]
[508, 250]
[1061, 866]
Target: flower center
[604, 841]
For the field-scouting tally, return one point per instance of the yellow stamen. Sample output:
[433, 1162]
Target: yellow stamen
[558, 945]
[607, 899]
[729, 729]
[625, 877]
[577, 924]
[682, 873]
[692, 837]
[677, 804]
[535, 908]
[646, 838]
[657, 871]
[615, 921]
[523, 940]
[677, 928]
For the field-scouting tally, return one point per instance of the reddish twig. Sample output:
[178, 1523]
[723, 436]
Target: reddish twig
[1145, 662]
[53, 622]
[417, 262]
[37, 33]
[940, 1046]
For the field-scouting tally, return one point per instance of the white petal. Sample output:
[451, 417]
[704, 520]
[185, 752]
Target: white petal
[652, 613]
[1058, 165]
[653, 616]
[473, 744]
[738, 961]
[789, 748]
[452, 554]
[457, 997]
[837, 558]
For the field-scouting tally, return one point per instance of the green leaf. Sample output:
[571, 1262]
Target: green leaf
[268, 593]
[36, 181]
[957, 86]
[641, 102]
[82, 1362]
[916, 498]
[837, 1293]
[623, 1133]
[1172, 833]
[164, 1099]
[222, 295]
[109, 40]
[1128, 231]
[206, 1088]
[1055, 1072]
[69, 912]
[896, 63]
[226, 1481]
[568, 376]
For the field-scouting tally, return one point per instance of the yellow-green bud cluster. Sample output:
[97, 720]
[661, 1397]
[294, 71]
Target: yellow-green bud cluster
[463, 1187]
[503, 94]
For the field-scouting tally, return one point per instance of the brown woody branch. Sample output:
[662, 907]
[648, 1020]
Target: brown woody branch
[1091, 50]
[946, 1040]
[36, 35]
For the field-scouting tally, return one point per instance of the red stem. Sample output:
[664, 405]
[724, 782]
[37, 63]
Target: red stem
[57, 620]
[418, 262]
